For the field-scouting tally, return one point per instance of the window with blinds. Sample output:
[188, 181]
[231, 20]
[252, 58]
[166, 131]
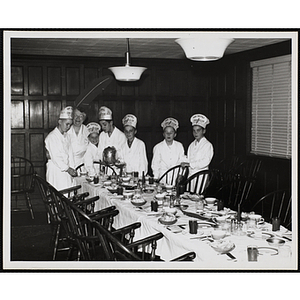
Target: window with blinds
[271, 131]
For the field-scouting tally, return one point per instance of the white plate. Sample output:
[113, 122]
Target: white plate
[260, 236]
[267, 251]
[121, 197]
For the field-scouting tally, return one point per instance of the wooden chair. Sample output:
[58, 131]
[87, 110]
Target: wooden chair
[238, 191]
[172, 175]
[249, 168]
[61, 236]
[106, 169]
[227, 168]
[199, 182]
[113, 245]
[115, 250]
[275, 204]
[22, 183]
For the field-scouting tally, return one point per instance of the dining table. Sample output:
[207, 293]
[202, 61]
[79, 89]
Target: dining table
[177, 239]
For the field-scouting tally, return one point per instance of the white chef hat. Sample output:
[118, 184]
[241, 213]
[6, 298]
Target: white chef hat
[130, 119]
[93, 127]
[66, 113]
[199, 120]
[170, 122]
[81, 113]
[105, 113]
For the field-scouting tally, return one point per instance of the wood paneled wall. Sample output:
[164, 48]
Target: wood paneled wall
[220, 90]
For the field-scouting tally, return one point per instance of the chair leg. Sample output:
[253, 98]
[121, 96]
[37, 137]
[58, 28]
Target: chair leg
[57, 232]
[29, 205]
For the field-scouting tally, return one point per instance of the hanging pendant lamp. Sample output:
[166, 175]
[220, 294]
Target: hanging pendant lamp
[204, 49]
[127, 72]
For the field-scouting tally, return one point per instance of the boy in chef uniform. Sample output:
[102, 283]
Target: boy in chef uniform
[133, 152]
[91, 153]
[169, 152]
[110, 135]
[59, 173]
[200, 151]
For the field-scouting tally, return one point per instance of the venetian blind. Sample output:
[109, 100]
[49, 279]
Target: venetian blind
[271, 107]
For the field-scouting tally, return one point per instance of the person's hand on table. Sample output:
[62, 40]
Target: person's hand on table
[72, 172]
[185, 164]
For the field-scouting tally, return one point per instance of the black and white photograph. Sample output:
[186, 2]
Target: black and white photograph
[150, 150]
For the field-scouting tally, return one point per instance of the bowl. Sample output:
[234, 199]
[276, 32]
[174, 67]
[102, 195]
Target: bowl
[170, 210]
[221, 219]
[128, 195]
[169, 187]
[275, 241]
[184, 206]
[160, 196]
[222, 246]
[218, 234]
[112, 190]
[167, 219]
[254, 217]
[138, 201]
[89, 179]
[210, 201]
[126, 179]
[149, 190]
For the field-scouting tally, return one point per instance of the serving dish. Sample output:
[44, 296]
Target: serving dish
[222, 246]
[167, 219]
[126, 179]
[138, 202]
[218, 234]
[275, 241]
[210, 201]
[171, 210]
[128, 195]
[160, 196]
[112, 190]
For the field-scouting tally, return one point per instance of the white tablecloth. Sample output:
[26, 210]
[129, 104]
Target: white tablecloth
[175, 244]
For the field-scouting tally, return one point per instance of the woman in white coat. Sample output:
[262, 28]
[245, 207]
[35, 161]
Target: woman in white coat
[59, 172]
[169, 152]
[78, 134]
[91, 153]
[133, 152]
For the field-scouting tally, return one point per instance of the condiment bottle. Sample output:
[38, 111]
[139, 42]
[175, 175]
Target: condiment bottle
[239, 213]
[96, 179]
[143, 180]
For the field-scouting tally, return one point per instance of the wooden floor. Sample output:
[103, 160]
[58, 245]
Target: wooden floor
[30, 238]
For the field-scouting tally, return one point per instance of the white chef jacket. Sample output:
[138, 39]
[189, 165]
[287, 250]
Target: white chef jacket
[59, 148]
[166, 157]
[89, 157]
[117, 139]
[135, 157]
[199, 155]
[79, 144]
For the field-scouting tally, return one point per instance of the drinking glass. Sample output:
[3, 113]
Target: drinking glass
[252, 253]
[285, 251]
[193, 226]
[275, 224]
[113, 179]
